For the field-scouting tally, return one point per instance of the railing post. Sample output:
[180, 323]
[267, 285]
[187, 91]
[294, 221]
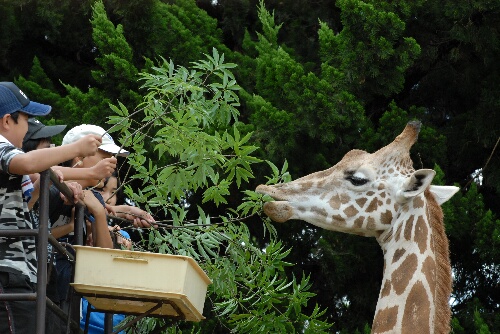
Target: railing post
[75, 300]
[42, 243]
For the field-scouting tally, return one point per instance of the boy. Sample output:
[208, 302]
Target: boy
[18, 255]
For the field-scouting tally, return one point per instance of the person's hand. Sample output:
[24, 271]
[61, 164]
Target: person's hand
[104, 168]
[120, 239]
[139, 217]
[88, 145]
[59, 175]
[91, 202]
[76, 188]
[111, 209]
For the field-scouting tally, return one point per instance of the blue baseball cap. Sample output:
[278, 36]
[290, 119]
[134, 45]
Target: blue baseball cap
[13, 99]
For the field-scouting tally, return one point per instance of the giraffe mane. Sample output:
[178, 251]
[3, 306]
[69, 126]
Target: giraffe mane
[443, 267]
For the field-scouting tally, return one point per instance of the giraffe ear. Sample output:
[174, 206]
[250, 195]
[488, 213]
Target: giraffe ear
[443, 193]
[416, 184]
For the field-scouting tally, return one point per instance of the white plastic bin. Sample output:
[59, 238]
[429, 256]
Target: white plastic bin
[106, 277]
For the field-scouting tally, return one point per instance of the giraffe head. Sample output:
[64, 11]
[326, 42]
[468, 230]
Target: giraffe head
[361, 194]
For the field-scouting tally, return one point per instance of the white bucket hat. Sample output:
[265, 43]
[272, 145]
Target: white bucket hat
[108, 144]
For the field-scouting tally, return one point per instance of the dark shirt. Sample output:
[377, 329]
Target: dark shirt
[17, 255]
[60, 214]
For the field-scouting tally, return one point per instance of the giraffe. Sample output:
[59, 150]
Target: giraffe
[380, 195]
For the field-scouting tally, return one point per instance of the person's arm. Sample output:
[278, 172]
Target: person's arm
[102, 237]
[61, 231]
[35, 194]
[39, 160]
[103, 169]
[139, 217]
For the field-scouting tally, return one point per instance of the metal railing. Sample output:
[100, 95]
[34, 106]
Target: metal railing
[42, 240]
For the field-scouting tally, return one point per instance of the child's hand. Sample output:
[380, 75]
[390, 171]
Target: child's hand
[59, 174]
[139, 217]
[104, 168]
[76, 188]
[119, 238]
[88, 145]
[92, 203]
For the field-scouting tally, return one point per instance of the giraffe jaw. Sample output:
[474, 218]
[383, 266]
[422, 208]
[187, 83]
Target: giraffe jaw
[279, 211]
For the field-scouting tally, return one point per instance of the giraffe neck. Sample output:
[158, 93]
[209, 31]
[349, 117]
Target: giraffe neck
[416, 282]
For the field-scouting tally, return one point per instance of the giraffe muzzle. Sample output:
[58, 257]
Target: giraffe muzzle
[278, 211]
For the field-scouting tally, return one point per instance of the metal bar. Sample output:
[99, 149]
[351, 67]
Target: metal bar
[87, 318]
[18, 296]
[75, 300]
[18, 233]
[108, 323]
[75, 327]
[79, 222]
[43, 237]
[53, 241]
[42, 243]
[61, 186]
[136, 319]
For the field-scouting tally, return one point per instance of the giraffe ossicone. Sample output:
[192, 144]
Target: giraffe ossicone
[380, 195]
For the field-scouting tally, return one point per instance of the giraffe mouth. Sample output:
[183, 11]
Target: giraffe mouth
[270, 191]
[279, 210]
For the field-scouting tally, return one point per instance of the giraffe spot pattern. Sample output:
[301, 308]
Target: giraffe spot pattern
[373, 205]
[370, 225]
[338, 218]
[421, 234]
[306, 185]
[397, 254]
[358, 222]
[398, 231]
[408, 228]
[344, 198]
[416, 316]
[386, 289]
[335, 202]
[429, 270]
[320, 211]
[418, 203]
[351, 211]
[385, 320]
[402, 275]
[386, 217]
[361, 201]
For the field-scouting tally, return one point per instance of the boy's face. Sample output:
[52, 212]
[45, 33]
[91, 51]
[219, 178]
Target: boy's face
[18, 130]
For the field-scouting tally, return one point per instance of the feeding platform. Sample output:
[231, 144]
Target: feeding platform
[140, 283]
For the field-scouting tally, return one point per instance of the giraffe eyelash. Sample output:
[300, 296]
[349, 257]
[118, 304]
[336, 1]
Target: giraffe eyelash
[356, 180]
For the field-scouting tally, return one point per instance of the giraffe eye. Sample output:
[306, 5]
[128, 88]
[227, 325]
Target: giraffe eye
[356, 181]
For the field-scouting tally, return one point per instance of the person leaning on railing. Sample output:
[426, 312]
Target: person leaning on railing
[18, 255]
[61, 215]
